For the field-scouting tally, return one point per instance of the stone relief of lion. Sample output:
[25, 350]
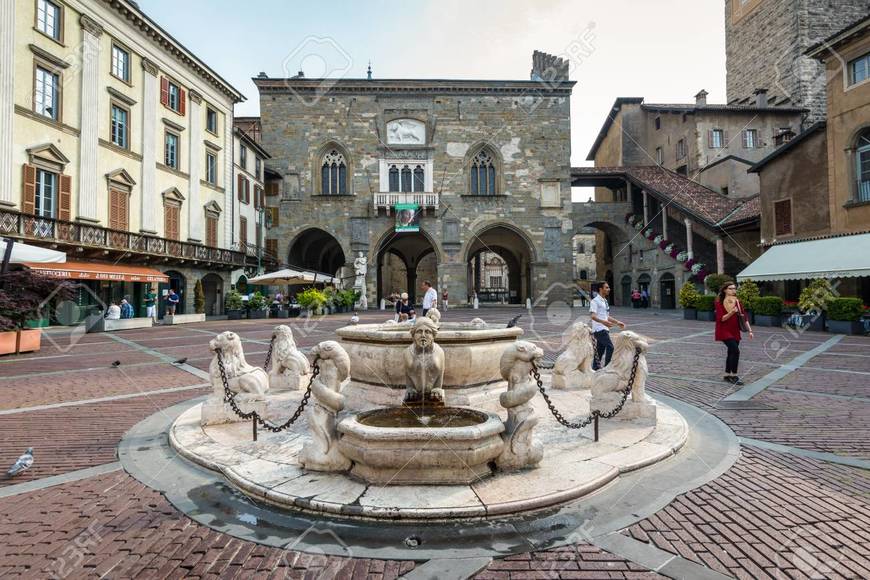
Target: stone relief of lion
[288, 364]
[573, 368]
[607, 383]
[241, 377]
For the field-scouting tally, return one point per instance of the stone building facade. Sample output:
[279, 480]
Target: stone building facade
[486, 163]
[766, 41]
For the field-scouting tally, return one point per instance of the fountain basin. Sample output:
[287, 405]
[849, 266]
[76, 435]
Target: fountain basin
[471, 375]
[393, 447]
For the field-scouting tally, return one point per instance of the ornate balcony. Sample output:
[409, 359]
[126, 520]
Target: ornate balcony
[388, 200]
[96, 241]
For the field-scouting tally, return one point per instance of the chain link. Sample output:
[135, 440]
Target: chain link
[230, 397]
[580, 424]
[269, 355]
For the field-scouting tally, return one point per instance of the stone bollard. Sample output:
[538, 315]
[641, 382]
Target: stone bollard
[521, 449]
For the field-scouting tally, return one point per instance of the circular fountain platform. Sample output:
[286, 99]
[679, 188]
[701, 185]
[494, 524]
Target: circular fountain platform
[573, 465]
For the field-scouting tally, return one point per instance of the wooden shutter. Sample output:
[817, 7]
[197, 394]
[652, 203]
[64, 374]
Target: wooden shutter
[171, 222]
[274, 212]
[271, 188]
[247, 191]
[28, 190]
[240, 186]
[724, 138]
[211, 232]
[118, 210]
[114, 210]
[243, 232]
[272, 247]
[782, 217]
[164, 91]
[181, 101]
[710, 138]
[64, 198]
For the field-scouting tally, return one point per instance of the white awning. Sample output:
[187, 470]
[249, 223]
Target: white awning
[27, 253]
[838, 257]
[291, 277]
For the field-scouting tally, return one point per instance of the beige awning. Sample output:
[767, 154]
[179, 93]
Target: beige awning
[291, 277]
[836, 257]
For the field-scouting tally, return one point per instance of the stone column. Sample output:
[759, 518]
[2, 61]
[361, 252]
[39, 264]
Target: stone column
[90, 120]
[194, 208]
[7, 99]
[689, 251]
[645, 208]
[148, 192]
[720, 256]
[665, 221]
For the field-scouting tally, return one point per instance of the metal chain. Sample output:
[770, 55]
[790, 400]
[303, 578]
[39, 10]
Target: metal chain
[230, 397]
[269, 355]
[580, 424]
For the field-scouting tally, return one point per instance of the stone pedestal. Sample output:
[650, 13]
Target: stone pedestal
[630, 411]
[217, 412]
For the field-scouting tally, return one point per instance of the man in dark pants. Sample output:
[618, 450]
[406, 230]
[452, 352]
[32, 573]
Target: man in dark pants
[602, 322]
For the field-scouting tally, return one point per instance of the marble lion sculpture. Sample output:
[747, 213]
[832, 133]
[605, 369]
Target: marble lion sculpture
[288, 364]
[521, 449]
[435, 315]
[573, 368]
[321, 452]
[615, 376]
[241, 377]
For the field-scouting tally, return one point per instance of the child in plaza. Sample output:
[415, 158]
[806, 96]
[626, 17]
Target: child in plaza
[729, 319]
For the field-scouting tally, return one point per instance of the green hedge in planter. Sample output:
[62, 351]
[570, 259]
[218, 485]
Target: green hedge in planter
[748, 293]
[714, 282]
[706, 303]
[689, 295]
[847, 309]
[767, 305]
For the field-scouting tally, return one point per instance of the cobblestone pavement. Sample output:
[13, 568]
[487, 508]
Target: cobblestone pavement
[778, 513]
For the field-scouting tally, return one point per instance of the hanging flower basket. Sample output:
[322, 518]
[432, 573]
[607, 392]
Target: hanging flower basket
[697, 267]
[638, 225]
[689, 263]
[629, 218]
[658, 239]
[670, 250]
[681, 256]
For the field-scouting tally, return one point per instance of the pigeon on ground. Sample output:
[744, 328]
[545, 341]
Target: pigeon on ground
[354, 319]
[180, 361]
[116, 364]
[513, 321]
[23, 464]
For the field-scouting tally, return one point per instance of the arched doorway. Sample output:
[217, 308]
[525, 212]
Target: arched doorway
[643, 283]
[404, 261]
[176, 282]
[668, 291]
[213, 287]
[500, 254]
[626, 291]
[317, 250]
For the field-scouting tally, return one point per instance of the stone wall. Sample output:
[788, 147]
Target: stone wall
[765, 47]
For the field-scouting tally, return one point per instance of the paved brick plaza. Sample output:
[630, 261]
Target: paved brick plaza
[777, 513]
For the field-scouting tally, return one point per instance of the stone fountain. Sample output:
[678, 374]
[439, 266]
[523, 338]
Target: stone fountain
[395, 408]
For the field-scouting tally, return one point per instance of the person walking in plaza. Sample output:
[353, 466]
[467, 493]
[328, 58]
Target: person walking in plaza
[730, 319]
[602, 322]
[444, 299]
[635, 298]
[644, 297]
[430, 298]
[172, 301]
[150, 302]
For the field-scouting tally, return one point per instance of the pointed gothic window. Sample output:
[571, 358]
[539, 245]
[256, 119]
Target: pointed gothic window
[483, 174]
[333, 174]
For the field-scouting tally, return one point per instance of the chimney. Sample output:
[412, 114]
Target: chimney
[701, 98]
[548, 68]
[760, 98]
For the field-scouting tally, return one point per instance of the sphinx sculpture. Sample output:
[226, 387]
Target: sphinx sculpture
[573, 368]
[321, 453]
[520, 449]
[424, 363]
[608, 384]
[288, 364]
[249, 383]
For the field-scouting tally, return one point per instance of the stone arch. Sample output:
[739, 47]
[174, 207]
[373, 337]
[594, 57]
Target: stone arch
[409, 248]
[315, 248]
[514, 247]
[317, 161]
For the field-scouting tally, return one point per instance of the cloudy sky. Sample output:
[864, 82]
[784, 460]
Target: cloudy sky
[664, 50]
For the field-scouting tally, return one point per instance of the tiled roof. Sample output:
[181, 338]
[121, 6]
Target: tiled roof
[788, 146]
[708, 206]
[838, 38]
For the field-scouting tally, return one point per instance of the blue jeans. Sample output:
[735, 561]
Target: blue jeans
[604, 348]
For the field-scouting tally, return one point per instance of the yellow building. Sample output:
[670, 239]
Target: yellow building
[116, 146]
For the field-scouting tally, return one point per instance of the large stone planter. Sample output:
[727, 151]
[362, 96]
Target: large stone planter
[430, 454]
[690, 314]
[471, 375]
[256, 314]
[845, 327]
[29, 340]
[8, 342]
[234, 314]
[171, 319]
[707, 315]
[765, 320]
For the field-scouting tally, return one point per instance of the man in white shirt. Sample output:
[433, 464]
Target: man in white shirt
[430, 298]
[602, 322]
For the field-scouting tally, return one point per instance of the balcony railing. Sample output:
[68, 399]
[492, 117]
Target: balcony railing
[863, 190]
[32, 227]
[388, 200]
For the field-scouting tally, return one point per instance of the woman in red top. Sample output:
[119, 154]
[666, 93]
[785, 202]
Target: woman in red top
[728, 328]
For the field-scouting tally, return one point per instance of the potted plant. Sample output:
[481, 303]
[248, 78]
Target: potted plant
[814, 300]
[768, 311]
[234, 305]
[23, 296]
[747, 292]
[330, 302]
[689, 301]
[714, 282]
[844, 315]
[706, 305]
[257, 306]
[349, 298]
[311, 300]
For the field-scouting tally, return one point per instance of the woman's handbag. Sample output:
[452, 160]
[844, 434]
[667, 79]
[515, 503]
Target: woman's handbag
[741, 319]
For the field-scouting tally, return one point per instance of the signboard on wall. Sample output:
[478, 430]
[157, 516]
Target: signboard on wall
[407, 217]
